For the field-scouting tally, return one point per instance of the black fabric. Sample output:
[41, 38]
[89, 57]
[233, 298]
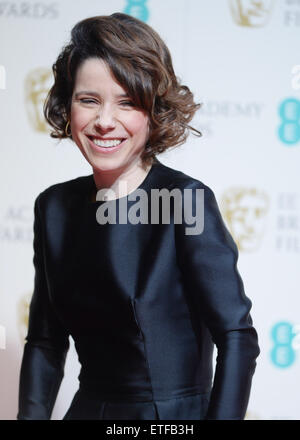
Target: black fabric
[144, 303]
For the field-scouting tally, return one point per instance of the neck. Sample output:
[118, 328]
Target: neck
[121, 181]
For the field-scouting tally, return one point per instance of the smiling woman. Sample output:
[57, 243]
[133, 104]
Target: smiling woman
[106, 91]
[144, 73]
[144, 300]
[109, 130]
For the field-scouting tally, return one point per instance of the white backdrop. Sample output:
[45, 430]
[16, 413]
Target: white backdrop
[238, 59]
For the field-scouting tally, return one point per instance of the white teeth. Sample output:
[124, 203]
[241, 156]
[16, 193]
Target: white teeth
[110, 143]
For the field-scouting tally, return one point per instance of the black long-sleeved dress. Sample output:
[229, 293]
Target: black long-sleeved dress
[144, 303]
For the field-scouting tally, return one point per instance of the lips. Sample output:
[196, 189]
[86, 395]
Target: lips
[105, 139]
[105, 150]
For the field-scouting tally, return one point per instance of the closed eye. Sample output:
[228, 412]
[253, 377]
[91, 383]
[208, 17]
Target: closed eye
[129, 103]
[86, 101]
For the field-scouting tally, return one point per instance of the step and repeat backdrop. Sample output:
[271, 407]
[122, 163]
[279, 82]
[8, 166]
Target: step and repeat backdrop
[241, 60]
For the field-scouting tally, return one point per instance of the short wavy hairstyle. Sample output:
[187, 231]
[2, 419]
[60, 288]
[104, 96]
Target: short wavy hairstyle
[141, 62]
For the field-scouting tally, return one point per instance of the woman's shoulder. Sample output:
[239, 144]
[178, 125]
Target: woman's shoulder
[175, 178]
[64, 190]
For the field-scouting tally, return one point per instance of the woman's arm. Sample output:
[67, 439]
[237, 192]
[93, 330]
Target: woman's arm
[216, 293]
[46, 344]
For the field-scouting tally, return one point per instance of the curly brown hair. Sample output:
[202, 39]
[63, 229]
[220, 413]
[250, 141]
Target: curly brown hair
[141, 62]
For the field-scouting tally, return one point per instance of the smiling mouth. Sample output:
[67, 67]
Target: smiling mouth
[106, 143]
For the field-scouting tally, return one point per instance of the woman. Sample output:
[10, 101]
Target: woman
[145, 302]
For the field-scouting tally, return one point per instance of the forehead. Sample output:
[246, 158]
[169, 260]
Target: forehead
[96, 73]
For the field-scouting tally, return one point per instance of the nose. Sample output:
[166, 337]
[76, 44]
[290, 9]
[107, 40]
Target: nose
[105, 119]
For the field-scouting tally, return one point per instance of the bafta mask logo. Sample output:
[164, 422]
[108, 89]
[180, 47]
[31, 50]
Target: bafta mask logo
[37, 85]
[245, 212]
[23, 314]
[251, 13]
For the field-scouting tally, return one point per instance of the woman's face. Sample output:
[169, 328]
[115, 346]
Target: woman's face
[102, 113]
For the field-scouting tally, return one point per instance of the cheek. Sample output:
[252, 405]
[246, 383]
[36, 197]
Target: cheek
[137, 125]
[79, 119]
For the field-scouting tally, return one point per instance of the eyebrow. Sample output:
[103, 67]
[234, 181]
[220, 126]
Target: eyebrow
[90, 92]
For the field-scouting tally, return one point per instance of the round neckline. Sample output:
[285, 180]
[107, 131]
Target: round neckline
[92, 187]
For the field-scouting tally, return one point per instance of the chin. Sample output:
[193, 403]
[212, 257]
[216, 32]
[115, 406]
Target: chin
[114, 163]
[108, 164]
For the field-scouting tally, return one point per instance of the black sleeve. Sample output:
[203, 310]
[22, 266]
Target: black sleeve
[215, 290]
[46, 345]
